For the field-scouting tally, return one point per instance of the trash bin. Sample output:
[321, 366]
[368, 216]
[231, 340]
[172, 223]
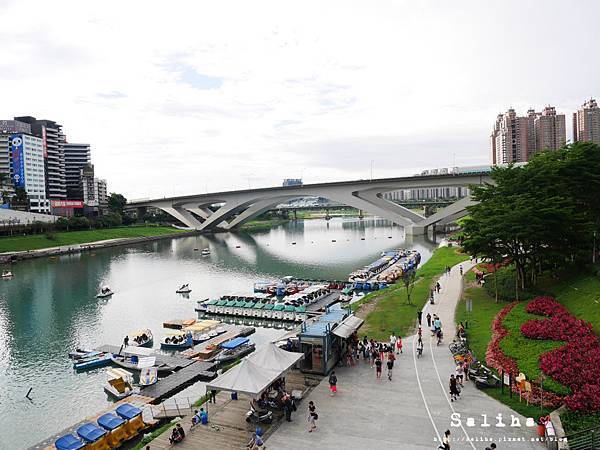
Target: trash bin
[234, 396]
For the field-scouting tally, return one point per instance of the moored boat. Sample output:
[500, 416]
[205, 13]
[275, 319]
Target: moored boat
[233, 349]
[148, 376]
[115, 427]
[119, 383]
[7, 274]
[205, 252]
[178, 340]
[68, 442]
[92, 362]
[141, 338]
[134, 362]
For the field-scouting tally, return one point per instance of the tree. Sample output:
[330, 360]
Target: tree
[541, 215]
[408, 279]
[116, 203]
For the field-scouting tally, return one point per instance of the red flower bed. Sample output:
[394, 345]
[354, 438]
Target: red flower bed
[573, 365]
[495, 357]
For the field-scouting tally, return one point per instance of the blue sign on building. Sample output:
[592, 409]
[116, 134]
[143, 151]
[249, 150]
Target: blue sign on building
[18, 160]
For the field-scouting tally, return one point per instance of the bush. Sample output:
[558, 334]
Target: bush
[79, 223]
[111, 220]
[506, 277]
[62, 223]
[50, 236]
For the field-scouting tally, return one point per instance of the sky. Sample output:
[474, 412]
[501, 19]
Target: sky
[190, 97]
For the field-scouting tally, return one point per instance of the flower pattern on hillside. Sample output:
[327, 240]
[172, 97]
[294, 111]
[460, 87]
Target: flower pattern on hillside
[574, 364]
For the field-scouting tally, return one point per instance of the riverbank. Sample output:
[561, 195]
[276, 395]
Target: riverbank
[387, 311]
[34, 246]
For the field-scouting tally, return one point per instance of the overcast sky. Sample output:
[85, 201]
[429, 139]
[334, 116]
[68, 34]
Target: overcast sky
[185, 97]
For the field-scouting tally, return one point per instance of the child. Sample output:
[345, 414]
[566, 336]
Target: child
[399, 344]
[378, 367]
[333, 383]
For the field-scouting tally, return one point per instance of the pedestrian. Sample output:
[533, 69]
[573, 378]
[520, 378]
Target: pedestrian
[428, 320]
[365, 350]
[466, 370]
[126, 341]
[445, 441]
[393, 341]
[459, 371]
[287, 406]
[213, 396]
[454, 390]
[438, 287]
[419, 316]
[333, 383]
[378, 367]
[390, 365]
[312, 417]
[461, 271]
[399, 345]
[374, 353]
[491, 447]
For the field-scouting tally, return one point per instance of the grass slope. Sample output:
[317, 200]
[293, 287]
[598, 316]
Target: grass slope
[391, 313]
[38, 241]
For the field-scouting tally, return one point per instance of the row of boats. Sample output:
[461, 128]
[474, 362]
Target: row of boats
[387, 269]
[110, 430]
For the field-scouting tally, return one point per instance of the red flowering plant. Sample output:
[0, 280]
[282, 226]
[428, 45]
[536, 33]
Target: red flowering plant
[573, 364]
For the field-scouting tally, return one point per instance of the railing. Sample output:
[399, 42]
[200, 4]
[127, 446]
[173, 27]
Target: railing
[584, 440]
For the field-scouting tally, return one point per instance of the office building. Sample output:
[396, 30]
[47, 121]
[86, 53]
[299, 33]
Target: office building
[77, 157]
[517, 138]
[586, 123]
[27, 164]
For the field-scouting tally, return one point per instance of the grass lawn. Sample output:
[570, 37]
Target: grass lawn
[38, 241]
[391, 313]
[260, 224]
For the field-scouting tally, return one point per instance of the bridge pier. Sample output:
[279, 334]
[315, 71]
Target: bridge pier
[415, 230]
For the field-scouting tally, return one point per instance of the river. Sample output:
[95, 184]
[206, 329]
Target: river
[50, 308]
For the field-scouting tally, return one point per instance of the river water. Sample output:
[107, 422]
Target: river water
[49, 307]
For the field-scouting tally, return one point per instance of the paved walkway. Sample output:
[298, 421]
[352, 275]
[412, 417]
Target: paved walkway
[410, 412]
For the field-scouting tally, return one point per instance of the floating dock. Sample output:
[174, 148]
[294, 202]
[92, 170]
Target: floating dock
[178, 381]
[200, 350]
[321, 304]
[176, 362]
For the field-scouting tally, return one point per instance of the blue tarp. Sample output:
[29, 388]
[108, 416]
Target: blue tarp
[235, 343]
[90, 432]
[127, 411]
[68, 442]
[109, 421]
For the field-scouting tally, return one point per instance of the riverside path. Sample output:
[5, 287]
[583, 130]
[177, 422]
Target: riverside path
[413, 410]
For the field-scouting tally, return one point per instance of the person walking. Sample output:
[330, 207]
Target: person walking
[459, 372]
[445, 441]
[390, 364]
[125, 341]
[374, 353]
[420, 316]
[438, 287]
[428, 320]
[393, 339]
[454, 391]
[287, 406]
[213, 396]
[332, 383]
[378, 367]
[461, 271]
[312, 417]
[398, 345]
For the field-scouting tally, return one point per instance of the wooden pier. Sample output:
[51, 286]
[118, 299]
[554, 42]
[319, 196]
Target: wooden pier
[320, 305]
[178, 381]
[174, 361]
[200, 350]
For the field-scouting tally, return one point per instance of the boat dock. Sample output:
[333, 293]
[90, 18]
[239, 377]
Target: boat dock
[321, 304]
[176, 362]
[178, 381]
[200, 350]
[139, 401]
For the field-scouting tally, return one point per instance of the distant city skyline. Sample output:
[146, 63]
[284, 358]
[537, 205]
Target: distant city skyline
[230, 95]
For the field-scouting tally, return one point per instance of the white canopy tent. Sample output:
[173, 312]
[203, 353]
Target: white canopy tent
[348, 326]
[247, 378]
[257, 372]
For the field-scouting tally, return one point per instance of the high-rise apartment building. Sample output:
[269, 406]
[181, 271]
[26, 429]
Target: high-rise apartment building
[77, 157]
[27, 161]
[586, 123]
[7, 128]
[54, 140]
[549, 130]
[517, 138]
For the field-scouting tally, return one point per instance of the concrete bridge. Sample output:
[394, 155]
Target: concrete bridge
[229, 210]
